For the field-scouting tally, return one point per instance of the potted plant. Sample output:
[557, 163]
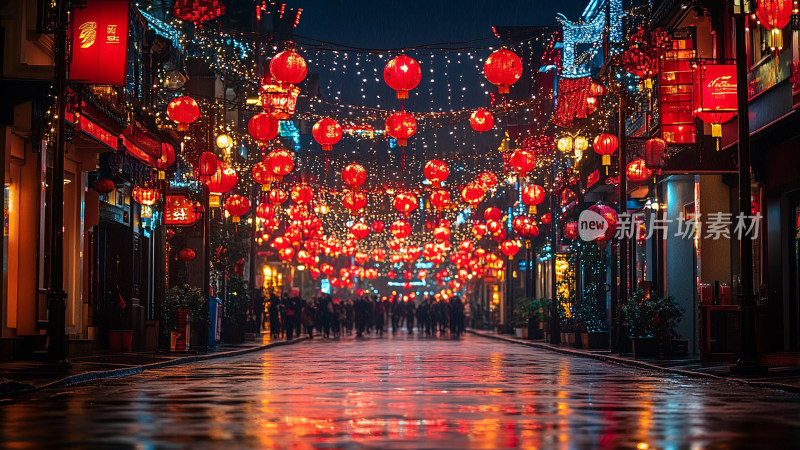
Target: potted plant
[527, 318]
[591, 321]
[651, 322]
[187, 301]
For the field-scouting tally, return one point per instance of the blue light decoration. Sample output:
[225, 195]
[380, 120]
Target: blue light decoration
[164, 29]
[288, 130]
[583, 40]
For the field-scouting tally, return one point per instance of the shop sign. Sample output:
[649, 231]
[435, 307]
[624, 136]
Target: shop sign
[715, 89]
[99, 37]
[182, 212]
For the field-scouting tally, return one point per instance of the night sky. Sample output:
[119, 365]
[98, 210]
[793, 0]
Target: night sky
[393, 23]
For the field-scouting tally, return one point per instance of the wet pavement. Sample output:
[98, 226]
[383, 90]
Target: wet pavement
[403, 392]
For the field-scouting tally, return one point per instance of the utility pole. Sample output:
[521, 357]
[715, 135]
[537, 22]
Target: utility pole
[555, 324]
[748, 359]
[56, 296]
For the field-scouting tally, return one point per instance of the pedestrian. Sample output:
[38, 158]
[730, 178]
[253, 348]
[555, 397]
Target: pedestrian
[308, 319]
[289, 316]
[258, 309]
[410, 312]
[274, 314]
[380, 316]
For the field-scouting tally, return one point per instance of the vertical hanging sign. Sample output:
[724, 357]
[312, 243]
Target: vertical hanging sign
[99, 42]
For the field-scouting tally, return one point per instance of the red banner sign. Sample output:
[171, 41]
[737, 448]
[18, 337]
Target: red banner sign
[180, 211]
[715, 88]
[99, 36]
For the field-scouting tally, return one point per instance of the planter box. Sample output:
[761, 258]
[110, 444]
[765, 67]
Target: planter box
[595, 340]
[521, 333]
[645, 347]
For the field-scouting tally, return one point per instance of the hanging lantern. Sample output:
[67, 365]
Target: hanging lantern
[286, 254]
[440, 199]
[478, 230]
[277, 196]
[223, 180]
[354, 201]
[224, 141]
[167, 157]
[405, 203]
[263, 128]
[288, 67]
[281, 162]
[606, 144]
[523, 162]
[359, 230]
[206, 166]
[494, 226]
[473, 194]
[492, 213]
[262, 175]
[237, 206]
[186, 254]
[502, 68]
[436, 171]
[400, 229]
[611, 218]
[198, 11]
[525, 227]
[183, 111]
[571, 230]
[597, 90]
[145, 196]
[302, 194]
[654, 150]
[486, 180]
[533, 195]
[401, 126]
[278, 99]
[509, 248]
[327, 132]
[103, 186]
[637, 171]
[481, 120]
[354, 175]
[442, 233]
[378, 226]
[547, 218]
[265, 211]
[402, 74]
[774, 15]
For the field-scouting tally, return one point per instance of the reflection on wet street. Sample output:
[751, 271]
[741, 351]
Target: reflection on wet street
[403, 392]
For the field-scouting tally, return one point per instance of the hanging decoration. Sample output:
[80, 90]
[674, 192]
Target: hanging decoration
[281, 162]
[605, 145]
[440, 199]
[637, 171]
[402, 74]
[654, 153]
[288, 67]
[405, 203]
[103, 186]
[354, 175]
[183, 111]
[145, 196]
[327, 132]
[186, 254]
[263, 128]
[502, 68]
[523, 162]
[354, 201]
[237, 206]
[198, 11]
[481, 120]
[774, 15]
[436, 171]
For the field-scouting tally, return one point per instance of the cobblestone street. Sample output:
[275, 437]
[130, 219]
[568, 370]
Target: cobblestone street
[403, 391]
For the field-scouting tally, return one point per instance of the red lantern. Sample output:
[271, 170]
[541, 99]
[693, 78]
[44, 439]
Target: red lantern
[198, 11]
[486, 180]
[492, 213]
[402, 74]
[606, 144]
[571, 230]
[237, 206]
[167, 156]
[277, 196]
[354, 201]
[405, 203]
[597, 90]
[524, 226]
[637, 171]
[509, 248]
[327, 132]
[481, 120]
[288, 67]
[145, 196]
[265, 211]
[263, 128]
[186, 254]
[401, 126]
[360, 230]
[354, 175]
[436, 171]
[774, 15]
[440, 199]
[170, 233]
[223, 180]
[472, 194]
[262, 175]
[611, 218]
[533, 195]
[278, 99]
[442, 233]
[478, 230]
[378, 226]
[523, 162]
[103, 186]
[547, 218]
[494, 226]
[302, 194]
[502, 68]
[400, 229]
[206, 166]
[286, 254]
[280, 162]
[654, 150]
[183, 110]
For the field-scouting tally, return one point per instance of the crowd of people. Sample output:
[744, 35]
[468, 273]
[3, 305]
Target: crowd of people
[291, 316]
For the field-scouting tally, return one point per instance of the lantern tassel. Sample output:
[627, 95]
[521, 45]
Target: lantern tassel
[403, 159]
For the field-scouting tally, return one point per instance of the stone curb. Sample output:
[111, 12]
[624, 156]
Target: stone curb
[641, 364]
[12, 388]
